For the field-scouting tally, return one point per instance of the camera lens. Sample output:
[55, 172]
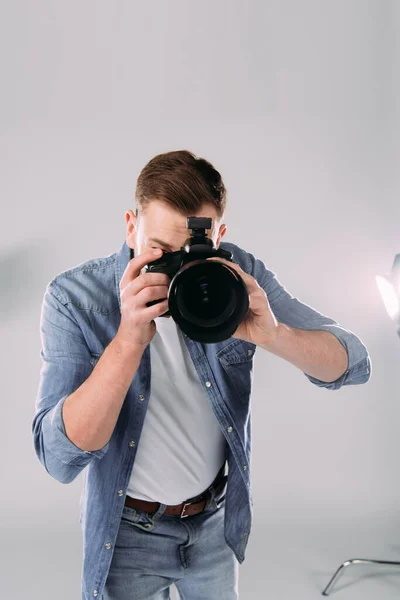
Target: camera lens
[205, 297]
[208, 300]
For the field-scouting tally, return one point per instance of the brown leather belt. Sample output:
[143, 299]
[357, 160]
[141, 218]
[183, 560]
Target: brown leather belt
[188, 508]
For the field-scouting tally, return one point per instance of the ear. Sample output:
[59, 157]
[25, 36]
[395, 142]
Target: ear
[221, 233]
[131, 220]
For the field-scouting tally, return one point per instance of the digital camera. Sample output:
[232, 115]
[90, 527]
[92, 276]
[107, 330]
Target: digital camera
[207, 299]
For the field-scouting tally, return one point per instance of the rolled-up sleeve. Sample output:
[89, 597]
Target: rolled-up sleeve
[290, 311]
[66, 364]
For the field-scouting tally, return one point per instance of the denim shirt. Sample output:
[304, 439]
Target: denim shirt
[80, 316]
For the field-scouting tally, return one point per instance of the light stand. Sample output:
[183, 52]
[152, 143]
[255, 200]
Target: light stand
[389, 288]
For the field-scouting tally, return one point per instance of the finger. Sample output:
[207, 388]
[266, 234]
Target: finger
[147, 314]
[146, 280]
[156, 310]
[136, 290]
[148, 294]
[136, 264]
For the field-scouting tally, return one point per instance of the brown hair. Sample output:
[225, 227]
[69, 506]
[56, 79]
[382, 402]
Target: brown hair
[182, 180]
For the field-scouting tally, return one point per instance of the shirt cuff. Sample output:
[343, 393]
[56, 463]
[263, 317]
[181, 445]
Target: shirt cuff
[359, 367]
[59, 444]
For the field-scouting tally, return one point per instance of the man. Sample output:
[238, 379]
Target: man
[152, 417]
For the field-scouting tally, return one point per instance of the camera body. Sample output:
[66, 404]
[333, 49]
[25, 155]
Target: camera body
[197, 247]
[207, 299]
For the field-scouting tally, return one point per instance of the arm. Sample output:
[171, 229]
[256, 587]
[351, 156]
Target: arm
[91, 412]
[316, 353]
[89, 399]
[302, 337]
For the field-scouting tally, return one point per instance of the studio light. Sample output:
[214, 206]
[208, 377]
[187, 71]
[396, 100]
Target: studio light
[389, 288]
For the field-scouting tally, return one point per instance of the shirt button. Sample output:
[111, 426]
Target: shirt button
[141, 397]
[245, 468]
[132, 443]
[208, 383]
[229, 428]
[120, 492]
[249, 352]
[95, 592]
[107, 546]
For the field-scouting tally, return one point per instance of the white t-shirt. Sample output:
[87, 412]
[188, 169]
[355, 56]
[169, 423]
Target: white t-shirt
[181, 447]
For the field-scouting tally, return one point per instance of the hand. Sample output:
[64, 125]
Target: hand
[259, 325]
[137, 325]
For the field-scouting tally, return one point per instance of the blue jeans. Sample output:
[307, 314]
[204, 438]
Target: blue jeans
[154, 550]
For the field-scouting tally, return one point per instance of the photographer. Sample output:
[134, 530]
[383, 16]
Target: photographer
[161, 420]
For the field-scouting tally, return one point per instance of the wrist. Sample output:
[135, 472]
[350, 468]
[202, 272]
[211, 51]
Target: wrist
[271, 341]
[125, 346]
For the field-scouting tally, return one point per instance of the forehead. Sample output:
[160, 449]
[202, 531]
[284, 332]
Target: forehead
[160, 219]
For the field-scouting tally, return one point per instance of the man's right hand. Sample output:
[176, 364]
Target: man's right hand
[137, 326]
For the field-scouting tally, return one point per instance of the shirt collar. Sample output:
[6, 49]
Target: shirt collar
[122, 260]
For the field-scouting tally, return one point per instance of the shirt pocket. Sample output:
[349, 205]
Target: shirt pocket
[236, 359]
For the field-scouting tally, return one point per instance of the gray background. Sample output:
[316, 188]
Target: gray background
[296, 103]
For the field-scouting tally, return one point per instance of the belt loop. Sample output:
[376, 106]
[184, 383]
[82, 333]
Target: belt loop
[159, 512]
[212, 497]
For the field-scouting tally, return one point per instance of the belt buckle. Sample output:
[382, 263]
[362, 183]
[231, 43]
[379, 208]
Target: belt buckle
[183, 516]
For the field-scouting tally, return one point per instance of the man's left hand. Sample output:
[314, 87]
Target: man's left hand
[259, 325]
